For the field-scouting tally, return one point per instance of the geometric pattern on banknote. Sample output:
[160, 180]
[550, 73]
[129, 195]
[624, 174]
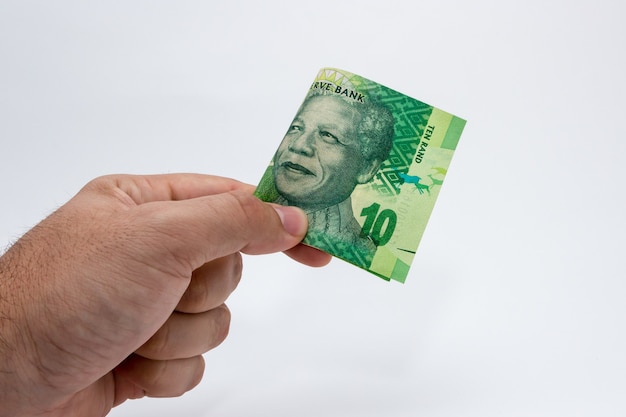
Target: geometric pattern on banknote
[339, 248]
[410, 117]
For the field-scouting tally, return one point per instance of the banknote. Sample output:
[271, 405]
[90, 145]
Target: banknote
[366, 163]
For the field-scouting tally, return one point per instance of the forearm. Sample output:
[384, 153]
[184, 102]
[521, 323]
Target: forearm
[36, 321]
[17, 367]
[48, 324]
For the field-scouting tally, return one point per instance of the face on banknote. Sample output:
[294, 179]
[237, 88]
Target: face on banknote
[366, 164]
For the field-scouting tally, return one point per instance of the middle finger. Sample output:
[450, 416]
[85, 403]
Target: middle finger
[187, 335]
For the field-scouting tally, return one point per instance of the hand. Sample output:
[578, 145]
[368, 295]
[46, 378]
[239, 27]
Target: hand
[118, 293]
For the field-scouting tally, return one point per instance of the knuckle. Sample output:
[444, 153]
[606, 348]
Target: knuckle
[158, 346]
[212, 284]
[195, 298]
[236, 268]
[221, 327]
[171, 378]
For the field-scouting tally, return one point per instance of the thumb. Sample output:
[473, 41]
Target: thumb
[198, 230]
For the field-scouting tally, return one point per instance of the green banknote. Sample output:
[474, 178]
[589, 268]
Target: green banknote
[366, 164]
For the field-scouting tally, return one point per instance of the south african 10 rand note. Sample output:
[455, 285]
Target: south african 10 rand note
[366, 164]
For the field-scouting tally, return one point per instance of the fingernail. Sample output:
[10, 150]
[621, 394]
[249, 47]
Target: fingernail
[293, 219]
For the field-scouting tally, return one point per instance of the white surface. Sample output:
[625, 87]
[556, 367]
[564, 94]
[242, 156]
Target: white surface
[515, 303]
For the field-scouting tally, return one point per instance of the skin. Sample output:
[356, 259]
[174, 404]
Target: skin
[118, 293]
[319, 163]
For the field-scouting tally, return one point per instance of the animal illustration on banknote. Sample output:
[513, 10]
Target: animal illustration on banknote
[435, 181]
[415, 180]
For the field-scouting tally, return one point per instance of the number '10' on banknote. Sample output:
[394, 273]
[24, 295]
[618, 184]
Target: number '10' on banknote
[366, 164]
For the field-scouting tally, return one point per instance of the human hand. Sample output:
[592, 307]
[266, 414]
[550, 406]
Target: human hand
[118, 293]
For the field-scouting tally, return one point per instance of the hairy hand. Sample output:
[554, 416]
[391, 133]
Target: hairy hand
[119, 292]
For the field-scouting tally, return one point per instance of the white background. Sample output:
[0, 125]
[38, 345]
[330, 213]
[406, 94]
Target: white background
[516, 302]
